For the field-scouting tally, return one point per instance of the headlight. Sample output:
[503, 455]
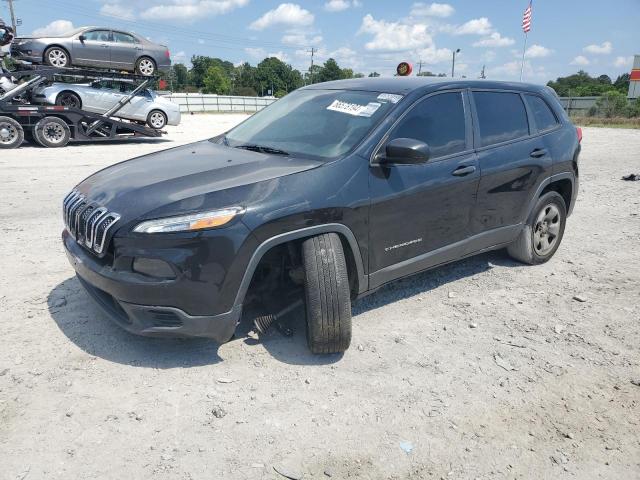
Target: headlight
[189, 223]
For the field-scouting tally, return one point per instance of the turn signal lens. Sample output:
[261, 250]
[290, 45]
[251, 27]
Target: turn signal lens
[579, 130]
[189, 223]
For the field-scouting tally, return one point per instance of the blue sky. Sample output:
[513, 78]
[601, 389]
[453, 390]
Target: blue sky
[369, 35]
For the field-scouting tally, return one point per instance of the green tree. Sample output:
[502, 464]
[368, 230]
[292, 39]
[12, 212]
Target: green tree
[622, 83]
[180, 77]
[275, 75]
[200, 66]
[216, 80]
[373, 74]
[330, 71]
[612, 104]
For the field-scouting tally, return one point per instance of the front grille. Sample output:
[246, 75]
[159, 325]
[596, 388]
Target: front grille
[88, 222]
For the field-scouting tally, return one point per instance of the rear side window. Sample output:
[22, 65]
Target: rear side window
[542, 114]
[123, 37]
[439, 121]
[502, 117]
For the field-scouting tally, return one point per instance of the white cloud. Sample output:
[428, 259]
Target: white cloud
[477, 26]
[494, 40]
[285, 14]
[117, 10]
[188, 10]
[346, 57]
[604, 49]
[256, 52]
[511, 70]
[432, 55]
[280, 55]
[301, 38]
[340, 5]
[623, 62]
[441, 10]
[394, 36]
[488, 56]
[538, 51]
[580, 60]
[180, 57]
[57, 27]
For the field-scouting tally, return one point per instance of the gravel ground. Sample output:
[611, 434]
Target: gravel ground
[481, 369]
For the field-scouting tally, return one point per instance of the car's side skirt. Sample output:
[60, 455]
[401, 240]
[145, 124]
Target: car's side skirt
[479, 243]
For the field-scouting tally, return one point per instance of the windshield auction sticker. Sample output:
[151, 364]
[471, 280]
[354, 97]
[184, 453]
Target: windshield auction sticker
[354, 109]
[389, 97]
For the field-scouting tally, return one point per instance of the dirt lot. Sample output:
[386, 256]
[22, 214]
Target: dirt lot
[481, 369]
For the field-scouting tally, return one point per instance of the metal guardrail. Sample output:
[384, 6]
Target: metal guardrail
[198, 102]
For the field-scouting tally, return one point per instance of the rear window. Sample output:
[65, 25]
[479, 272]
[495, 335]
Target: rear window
[502, 117]
[542, 114]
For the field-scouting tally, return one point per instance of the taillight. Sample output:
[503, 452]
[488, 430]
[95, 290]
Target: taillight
[167, 54]
[579, 130]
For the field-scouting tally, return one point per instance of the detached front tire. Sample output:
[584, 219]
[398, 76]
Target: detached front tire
[327, 294]
[543, 232]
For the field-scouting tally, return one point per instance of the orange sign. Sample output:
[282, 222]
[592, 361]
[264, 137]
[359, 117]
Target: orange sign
[404, 69]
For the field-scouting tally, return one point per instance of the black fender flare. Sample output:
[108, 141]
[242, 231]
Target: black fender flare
[546, 182]
[264, 247]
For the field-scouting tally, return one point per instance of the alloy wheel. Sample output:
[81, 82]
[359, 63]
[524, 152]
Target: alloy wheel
[546, 229]
[58, 58]
[146, 67]
[157, 120]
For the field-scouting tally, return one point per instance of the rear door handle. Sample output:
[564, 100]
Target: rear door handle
[539, 152]
[462, 171]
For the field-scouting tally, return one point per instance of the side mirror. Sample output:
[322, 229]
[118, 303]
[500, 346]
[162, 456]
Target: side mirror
[82, 38]
[405, 151]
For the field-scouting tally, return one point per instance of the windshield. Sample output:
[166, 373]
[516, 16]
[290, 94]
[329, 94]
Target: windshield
[317, 123]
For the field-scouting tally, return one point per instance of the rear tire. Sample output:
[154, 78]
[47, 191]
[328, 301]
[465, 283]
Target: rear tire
[57, 57]
[52, 132]
[146, 67]
[11, 133]
[327, 294]
[543, 232]
[157, 119]
[69, 99]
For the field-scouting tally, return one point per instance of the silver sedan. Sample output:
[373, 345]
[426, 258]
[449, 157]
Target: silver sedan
[101, 95]
[95, 47]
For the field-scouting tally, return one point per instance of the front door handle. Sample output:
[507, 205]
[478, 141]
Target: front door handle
[539, 152]
[462, 171]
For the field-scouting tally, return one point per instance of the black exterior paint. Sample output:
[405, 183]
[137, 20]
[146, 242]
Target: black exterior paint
[381, 211]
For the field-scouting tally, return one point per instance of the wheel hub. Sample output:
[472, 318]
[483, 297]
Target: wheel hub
[5, 134]
[547, 229]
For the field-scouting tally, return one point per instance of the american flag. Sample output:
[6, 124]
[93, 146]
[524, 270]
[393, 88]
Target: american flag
[526, 19]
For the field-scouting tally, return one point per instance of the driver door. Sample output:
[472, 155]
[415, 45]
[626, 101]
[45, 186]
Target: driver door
[420, 212]
[94, 50]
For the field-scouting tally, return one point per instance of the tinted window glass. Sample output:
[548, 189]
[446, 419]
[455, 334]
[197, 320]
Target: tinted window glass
[98, 35]
[544, 117]
[123, 37]
[502, 117]
[438, 121]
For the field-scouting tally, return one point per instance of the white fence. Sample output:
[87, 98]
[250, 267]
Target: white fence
[198, 102]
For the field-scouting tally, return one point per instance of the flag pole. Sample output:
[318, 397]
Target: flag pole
[524, 51]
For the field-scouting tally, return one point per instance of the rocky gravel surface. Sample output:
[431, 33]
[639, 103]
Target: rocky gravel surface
[481, 369]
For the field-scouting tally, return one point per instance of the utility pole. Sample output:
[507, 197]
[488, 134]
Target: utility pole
[453, 65]
[482, 75]
[14, 23]
[420, 67]
[313, 51]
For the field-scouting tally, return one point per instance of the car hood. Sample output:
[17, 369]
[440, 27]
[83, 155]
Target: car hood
[179, 180]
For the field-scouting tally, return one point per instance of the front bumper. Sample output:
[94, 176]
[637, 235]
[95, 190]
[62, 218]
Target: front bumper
[140, 305]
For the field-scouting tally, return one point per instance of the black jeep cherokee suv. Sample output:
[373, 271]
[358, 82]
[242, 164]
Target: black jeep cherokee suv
[338, 188]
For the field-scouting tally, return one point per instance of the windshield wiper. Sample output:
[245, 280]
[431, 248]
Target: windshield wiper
[262, 149]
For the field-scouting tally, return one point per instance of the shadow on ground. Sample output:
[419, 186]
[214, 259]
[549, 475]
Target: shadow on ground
[89, 328]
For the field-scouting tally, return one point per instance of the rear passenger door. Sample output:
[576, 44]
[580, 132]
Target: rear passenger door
[123, 51]
[513, 159]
